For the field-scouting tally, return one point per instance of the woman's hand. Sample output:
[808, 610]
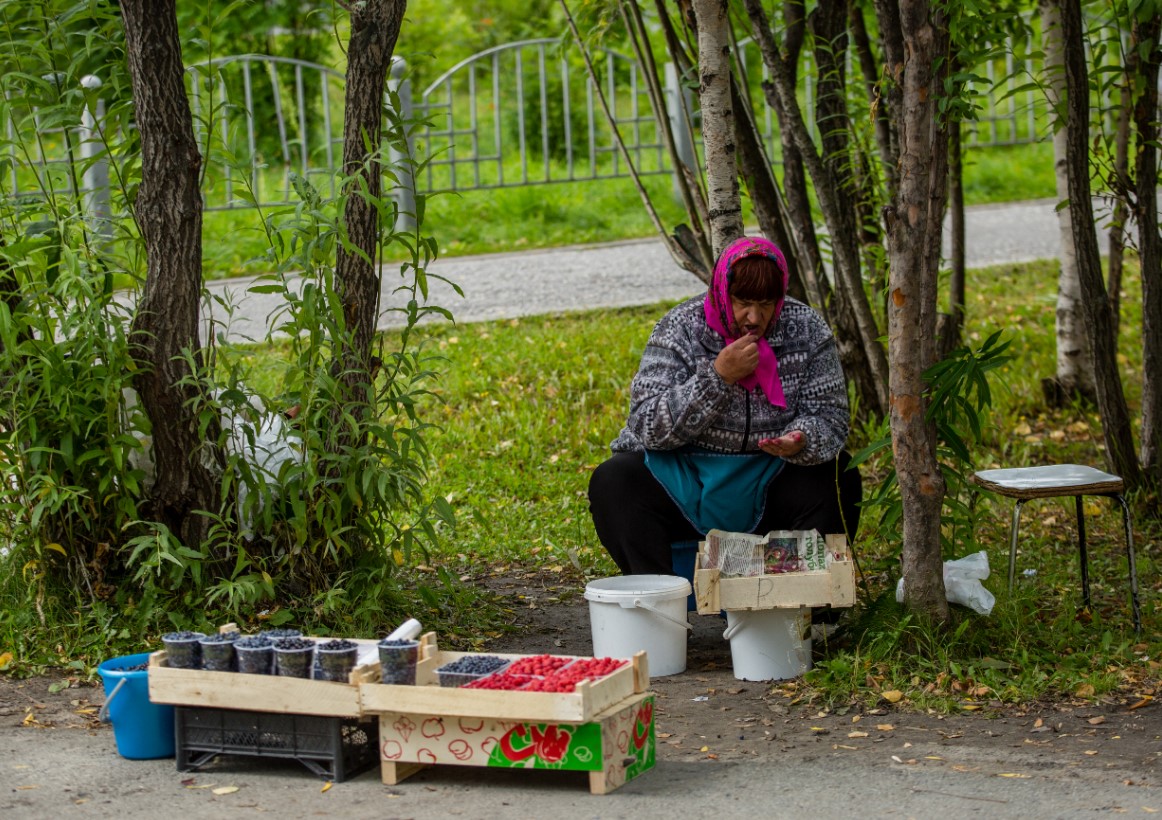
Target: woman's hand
[784, 446]
[738, 359]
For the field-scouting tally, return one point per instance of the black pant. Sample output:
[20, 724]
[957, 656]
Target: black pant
[637, 521]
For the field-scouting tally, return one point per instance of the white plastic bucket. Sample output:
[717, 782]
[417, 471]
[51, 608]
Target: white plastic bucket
[630, 613]
[769, 644]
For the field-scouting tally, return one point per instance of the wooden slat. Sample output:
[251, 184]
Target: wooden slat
[427, 697]
[262, 693]
[833, 587]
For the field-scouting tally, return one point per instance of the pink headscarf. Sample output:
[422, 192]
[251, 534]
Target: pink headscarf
[720, 315]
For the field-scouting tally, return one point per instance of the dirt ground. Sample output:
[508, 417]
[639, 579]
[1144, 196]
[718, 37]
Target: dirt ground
[705, 714]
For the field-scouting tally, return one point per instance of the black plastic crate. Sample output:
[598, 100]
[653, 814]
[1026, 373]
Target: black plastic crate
[334, 748]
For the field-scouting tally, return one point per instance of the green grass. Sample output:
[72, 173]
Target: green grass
[541, 216]
[530, 406]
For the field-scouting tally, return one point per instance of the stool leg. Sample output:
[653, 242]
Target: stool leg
[1082, 549]
[1013, 542]
[1133, 569]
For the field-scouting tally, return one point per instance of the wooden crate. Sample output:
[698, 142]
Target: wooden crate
[427, 697]
[614, 747]
[834, 586]
[259, 693]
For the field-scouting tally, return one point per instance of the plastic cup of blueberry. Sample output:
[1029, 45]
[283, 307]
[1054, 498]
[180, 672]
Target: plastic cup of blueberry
[397, 661]
[183, 650]
[336, 659]
[255, 655]
[295, 657]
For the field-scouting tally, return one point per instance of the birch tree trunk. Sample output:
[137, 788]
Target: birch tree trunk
[915, 223]
[725, 205]
[1111, 400]
[375, 27]
[1075, 371]
[168, 211]
[1148, 55]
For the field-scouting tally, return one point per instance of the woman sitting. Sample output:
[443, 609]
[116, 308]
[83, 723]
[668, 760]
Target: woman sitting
[738, 417]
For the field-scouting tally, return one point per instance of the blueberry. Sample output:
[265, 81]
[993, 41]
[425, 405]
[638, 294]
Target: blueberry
[254, 642]
[293, 644]
[221, 637]
[338, 645]
[182, 636]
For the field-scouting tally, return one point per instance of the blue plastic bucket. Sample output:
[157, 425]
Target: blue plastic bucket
[143, 730]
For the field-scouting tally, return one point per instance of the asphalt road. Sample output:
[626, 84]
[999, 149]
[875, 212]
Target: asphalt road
[626, 273]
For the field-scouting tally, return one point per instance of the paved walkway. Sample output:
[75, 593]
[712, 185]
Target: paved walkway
[632, 272]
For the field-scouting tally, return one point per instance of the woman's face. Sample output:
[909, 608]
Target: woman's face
[751, 316]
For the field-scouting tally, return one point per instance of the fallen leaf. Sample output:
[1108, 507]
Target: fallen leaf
[704, 749]
[1038, 723]
[225, 790]
[26, 788]
[844, 746]
[735, 691]
[910, 761]
[189, 781]
[1091, 752]
[665, 734]
[712, 756]
[86, 711]
[5, 659]
[1086, 690]
[1014, 774]
[326, 786]
[892, 695]
[969, 707]
[885, 727]
[857, 734]
[933, 757]
[1143, 702]
[1149, 810]
[855, 718]
[1096, 721]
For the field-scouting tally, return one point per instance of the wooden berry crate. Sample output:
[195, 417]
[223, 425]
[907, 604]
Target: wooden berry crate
[260, 693]
[427, 697]
[615, 746]
[834, 586]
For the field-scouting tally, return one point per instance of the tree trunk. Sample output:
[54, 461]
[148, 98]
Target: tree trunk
[375, 27]
[915, 223]
[765, 198]
[1111, 400]
[949, 326]
[848, 278]
[168, 211]
[886, 139]
[1122, 186]
[1146, 50]
[1075, 372]
[795, 178]
[725, 205]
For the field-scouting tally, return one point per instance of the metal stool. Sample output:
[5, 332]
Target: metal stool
[1053, 481]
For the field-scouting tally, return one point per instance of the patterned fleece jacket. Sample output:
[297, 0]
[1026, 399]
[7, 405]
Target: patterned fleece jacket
[678, 398]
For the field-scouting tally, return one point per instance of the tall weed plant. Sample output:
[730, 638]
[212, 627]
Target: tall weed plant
[324, 496]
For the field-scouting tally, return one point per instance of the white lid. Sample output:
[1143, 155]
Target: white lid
[623, 587]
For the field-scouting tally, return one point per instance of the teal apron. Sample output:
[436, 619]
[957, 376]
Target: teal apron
[725, 491]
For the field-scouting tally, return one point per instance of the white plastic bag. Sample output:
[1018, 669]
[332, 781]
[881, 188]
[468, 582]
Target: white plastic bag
[962, 583]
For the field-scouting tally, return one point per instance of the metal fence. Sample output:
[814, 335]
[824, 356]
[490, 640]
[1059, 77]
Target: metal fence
[524, 113]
